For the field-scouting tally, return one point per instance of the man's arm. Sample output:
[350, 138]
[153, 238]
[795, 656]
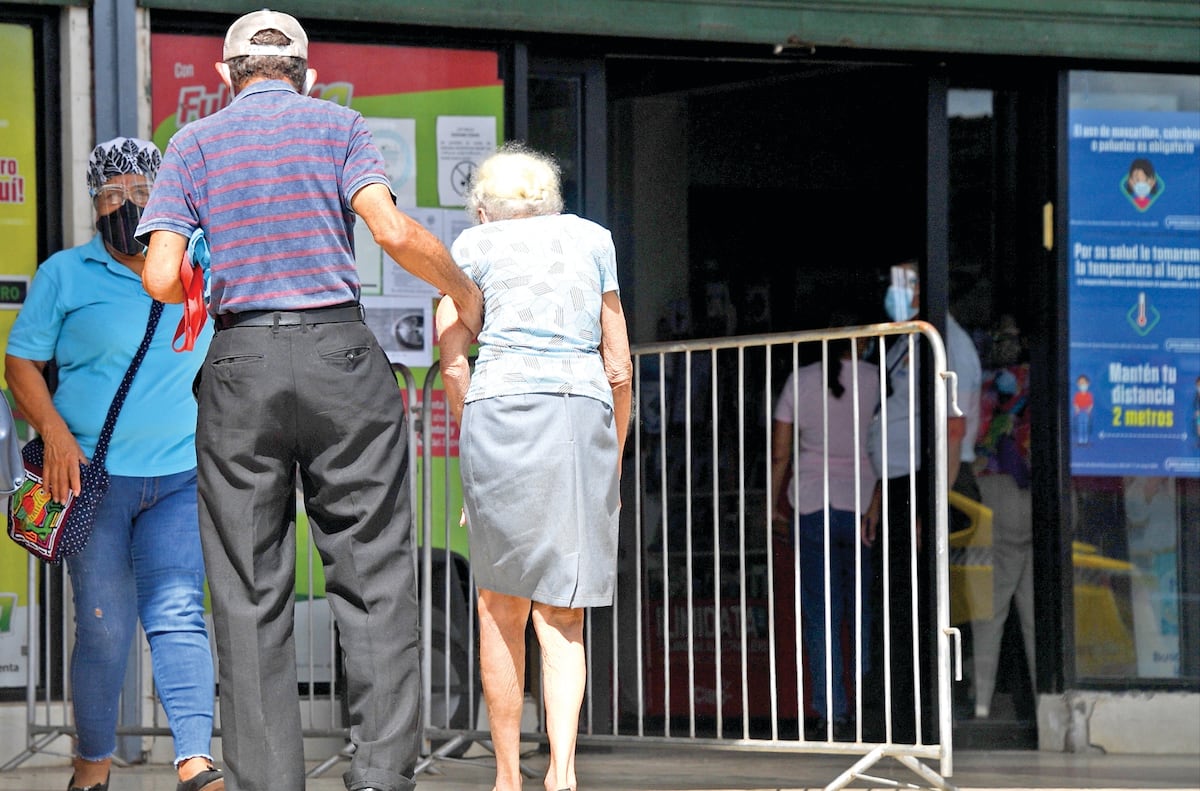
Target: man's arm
[418, 251]
[160, 275]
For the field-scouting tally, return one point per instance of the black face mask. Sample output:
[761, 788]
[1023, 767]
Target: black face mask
[117, 228]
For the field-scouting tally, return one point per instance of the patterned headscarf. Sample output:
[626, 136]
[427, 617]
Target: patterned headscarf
[119, 156]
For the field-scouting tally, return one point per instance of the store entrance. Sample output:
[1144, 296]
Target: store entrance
[1000, 253]
[754, 195]
[763, 196]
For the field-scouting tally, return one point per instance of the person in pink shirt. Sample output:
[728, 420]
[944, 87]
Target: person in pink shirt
[841, 395]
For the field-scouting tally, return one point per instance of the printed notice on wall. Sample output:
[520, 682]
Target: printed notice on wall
[1134, 289]
[463, 141]
[396, 139]
[403, 326]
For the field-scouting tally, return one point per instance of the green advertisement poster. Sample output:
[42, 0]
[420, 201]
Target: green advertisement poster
[18, 228]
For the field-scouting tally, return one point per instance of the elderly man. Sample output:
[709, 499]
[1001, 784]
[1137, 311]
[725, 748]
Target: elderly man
[294, 380]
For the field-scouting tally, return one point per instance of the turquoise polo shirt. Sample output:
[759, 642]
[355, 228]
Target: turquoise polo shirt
[88, 312]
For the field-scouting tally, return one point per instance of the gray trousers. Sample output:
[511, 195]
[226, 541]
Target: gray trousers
[1012, 582]
[320, 399]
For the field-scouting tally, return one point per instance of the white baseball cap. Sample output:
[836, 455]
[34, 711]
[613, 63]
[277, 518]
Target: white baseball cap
[237, 40]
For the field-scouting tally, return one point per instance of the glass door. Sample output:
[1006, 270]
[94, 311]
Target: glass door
[998, 185]
[567, 118]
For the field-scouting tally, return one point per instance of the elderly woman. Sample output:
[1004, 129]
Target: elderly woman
[88, 312]
[543, 419]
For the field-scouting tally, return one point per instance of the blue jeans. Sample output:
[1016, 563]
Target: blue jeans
[844, 543]
[143, 560]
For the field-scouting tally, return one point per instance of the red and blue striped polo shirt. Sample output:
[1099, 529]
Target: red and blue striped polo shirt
[269, 178]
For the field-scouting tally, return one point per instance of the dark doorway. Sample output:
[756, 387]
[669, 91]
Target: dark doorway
[763, 197]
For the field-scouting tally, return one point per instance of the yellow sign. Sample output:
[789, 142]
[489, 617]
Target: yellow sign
[18, 227]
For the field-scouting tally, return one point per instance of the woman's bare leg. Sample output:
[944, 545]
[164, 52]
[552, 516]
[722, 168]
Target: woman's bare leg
[564, 671]
[90, 773]
[502, 621]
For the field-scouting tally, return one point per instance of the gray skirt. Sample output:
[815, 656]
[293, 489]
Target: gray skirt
[541, 495]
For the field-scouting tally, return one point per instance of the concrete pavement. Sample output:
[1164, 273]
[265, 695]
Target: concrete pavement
[686, 768]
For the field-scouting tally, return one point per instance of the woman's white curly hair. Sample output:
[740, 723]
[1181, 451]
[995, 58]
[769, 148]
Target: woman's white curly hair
[515, 182]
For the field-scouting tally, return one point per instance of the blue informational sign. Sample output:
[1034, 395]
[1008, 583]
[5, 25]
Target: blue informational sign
[1134, 292]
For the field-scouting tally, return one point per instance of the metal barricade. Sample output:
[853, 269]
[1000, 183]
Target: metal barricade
[703, 644]
[48, 694]
[717, 655]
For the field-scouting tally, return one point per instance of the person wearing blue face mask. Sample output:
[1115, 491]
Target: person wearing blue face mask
[902, 302]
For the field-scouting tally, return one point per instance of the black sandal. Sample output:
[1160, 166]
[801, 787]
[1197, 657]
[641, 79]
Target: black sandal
[98, 787]
[211, 779]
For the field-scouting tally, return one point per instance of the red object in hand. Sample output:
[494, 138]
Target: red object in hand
[195, 312]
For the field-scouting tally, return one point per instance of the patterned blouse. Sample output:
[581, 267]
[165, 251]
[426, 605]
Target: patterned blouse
[543, 280]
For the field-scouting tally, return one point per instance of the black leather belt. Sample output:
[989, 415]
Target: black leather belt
[289, 318]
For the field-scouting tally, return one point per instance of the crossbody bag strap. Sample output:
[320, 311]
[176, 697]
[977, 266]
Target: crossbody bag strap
[114, 409]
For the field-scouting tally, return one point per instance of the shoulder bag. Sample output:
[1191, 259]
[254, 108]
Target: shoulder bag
[51, 530]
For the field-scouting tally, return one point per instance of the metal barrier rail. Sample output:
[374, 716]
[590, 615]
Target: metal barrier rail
[701, 645]
[716, 602]
[48, 696]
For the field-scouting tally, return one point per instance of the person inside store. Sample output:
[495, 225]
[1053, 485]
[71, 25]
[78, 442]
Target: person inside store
[544, 418]
[904, 537]
[296, 384]
[814, 396]
[1004, 480]
[87, 312]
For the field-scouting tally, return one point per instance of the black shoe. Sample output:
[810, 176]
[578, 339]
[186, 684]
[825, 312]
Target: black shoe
[98, 787]
[210, 779]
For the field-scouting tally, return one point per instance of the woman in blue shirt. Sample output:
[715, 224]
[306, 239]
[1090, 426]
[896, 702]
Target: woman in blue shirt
[87, 311]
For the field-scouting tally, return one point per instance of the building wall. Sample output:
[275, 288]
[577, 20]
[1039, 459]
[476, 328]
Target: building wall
[1168, 30]
[1126, 723]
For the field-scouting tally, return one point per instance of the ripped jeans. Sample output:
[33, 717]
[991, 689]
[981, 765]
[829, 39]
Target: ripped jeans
[143, 560]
